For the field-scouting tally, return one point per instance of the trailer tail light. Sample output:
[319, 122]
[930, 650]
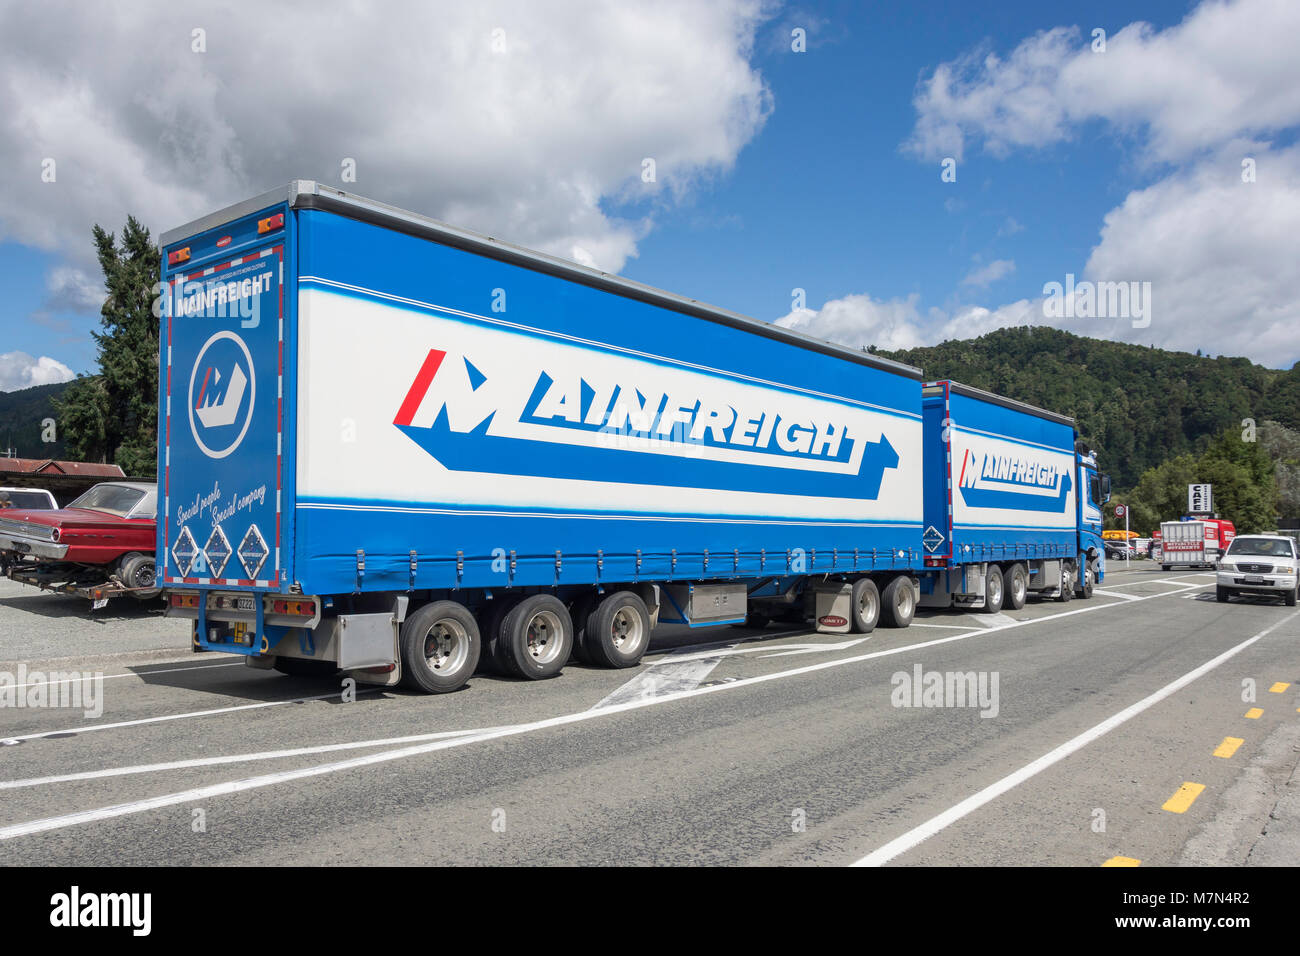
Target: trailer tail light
[297, 608]
[270, 223]
[185, 600]
[934, 562]
[178, 256]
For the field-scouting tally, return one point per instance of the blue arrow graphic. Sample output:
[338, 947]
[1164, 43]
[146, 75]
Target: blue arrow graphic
[1017, 500]
[477, 451]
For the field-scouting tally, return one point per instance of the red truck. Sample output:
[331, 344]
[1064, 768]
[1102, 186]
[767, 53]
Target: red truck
[1195, 543]
[99, 546]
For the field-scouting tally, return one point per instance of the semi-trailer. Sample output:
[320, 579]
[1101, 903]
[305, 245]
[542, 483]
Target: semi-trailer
[403, 450]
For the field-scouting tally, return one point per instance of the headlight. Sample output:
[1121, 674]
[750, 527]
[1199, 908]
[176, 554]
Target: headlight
[1227, 566]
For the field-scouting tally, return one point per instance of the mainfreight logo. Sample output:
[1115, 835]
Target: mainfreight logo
[221, 395]
[1018, 482]
[630, 429]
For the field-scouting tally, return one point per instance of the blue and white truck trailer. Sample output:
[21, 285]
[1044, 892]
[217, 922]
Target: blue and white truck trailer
[399, 449]
[1012, 502]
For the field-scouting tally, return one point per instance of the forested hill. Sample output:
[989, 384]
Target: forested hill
[1138, 406]
[21, 415]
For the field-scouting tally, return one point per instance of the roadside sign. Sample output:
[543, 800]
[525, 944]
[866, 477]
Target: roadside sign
[1200, 499]
[1120, 511]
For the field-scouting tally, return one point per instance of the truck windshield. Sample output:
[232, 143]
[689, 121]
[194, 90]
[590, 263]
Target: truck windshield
[113, 499]
[1262, 547]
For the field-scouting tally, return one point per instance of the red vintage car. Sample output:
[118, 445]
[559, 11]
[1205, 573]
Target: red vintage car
[100, 545]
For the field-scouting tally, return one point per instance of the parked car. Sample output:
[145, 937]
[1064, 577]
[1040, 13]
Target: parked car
[100, 545]
[1119, 550]
[1259, 564]
[27, 499]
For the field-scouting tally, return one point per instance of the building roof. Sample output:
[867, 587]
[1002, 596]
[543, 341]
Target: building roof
[49, 466]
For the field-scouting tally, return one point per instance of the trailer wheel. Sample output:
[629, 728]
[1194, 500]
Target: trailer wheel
[865, 606]
[536, 637]
[994, 590]
[1164, 567]
[579, 611]
[1017, 586]
[440, 647]
[494, 612]
[618, 631]
[897, 603]
[137, 571]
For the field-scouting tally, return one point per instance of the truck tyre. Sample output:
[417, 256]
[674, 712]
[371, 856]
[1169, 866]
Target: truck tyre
[137, 571]
[1089, 580]
[756, 620]
[536, 637]
[579, 611]
[618, 630]
[298, 667]
[993, 590]
[1065, 592]
[1017, 586]
[489, 630]
[897, 603]
[440, 647]
[1221, 594]
[865, 609]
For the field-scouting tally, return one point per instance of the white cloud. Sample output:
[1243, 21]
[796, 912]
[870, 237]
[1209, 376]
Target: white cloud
[859, 320]
[987, 275]
[1226, 70]
[20, 370]
[528, 134]
[1220, 255]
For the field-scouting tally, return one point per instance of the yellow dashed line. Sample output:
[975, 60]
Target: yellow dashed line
[1228, 747]
[1184, 798]
[1121, 861]
[1255, 713]
[1279, 688]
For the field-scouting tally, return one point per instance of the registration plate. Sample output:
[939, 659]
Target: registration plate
[1253, 579]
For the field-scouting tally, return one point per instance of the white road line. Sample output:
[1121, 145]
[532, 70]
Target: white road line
[233, 758]
[93, 676]
[88, 728]
[919, 834]
[267, 780]
[1115, 594]
[662, 679]
[947, 627]
[997, 619]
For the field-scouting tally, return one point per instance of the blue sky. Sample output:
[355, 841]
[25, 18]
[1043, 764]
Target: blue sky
[778, 170]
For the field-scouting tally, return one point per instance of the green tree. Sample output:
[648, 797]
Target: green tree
[82, 416]
[114, 415]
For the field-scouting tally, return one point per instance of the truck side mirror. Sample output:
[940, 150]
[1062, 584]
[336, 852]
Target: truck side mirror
[1105, 489]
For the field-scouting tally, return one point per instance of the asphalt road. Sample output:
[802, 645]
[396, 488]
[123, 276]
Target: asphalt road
[725, 747]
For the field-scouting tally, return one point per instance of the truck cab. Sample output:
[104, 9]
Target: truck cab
[1094, 492]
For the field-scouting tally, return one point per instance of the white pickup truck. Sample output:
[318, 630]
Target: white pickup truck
[1263, 564]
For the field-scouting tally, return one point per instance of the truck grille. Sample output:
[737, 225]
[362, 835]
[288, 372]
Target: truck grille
[1255, 568]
